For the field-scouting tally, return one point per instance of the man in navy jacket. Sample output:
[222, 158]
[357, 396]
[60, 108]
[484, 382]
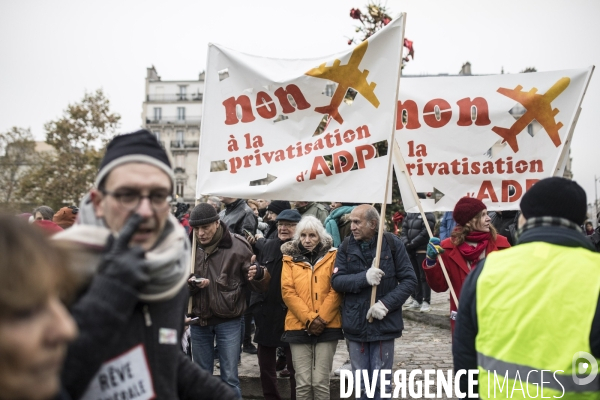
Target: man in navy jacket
[371, 344]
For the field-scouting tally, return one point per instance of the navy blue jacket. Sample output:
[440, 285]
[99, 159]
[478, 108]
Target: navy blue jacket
[350, 278]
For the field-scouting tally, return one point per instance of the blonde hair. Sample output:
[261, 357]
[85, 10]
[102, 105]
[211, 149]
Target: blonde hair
[461, 232]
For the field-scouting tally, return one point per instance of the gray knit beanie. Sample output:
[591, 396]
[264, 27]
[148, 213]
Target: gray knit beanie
[203, 214]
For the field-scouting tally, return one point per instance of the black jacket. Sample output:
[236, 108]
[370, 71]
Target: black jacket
[595, 238]
[465, 332]
[268, 308]
[112, 321]
[396, 286]
[503, 221]
[239, 217]
[414, 233]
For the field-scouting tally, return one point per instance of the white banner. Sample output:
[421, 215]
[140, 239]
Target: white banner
[489, 137]
[306, 130]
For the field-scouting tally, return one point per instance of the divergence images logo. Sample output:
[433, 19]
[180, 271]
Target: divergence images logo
[346, 76]
[538, 107]
[584, 363]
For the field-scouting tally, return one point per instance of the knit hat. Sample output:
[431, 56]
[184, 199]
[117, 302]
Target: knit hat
[466, 209]
[555, 197]
[203, 214]
[289, 215]
[277, 206]
[140, 146]
[65, 217]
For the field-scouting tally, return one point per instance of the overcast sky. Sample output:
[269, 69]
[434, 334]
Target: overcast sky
[51, 52]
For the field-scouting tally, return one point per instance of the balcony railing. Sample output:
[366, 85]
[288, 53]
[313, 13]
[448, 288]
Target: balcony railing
[179, 144]
[174, 120]
[179, 170]
[175, 97]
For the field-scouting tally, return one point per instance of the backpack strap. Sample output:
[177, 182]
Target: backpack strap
[389, 238]
[344, 245]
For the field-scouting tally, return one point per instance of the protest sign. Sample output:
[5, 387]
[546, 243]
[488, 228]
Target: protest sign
[300, 129]
[489, 137]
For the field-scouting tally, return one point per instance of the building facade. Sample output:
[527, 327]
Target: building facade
[172, 110]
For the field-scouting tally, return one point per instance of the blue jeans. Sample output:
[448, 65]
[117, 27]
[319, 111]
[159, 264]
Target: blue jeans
[228, 336]
[372, 356]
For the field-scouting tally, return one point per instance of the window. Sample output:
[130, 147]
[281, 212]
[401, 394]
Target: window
[179, 161]
[179, 138]
[179, 188]
[157, 134]
[182, 92]
[181, 113]
[157, 113]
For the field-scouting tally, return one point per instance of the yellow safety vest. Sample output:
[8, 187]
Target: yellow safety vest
[535, 306]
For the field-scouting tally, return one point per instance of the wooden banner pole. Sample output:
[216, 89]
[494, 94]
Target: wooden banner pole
[193, 261]
[400, 161]
[389, 171]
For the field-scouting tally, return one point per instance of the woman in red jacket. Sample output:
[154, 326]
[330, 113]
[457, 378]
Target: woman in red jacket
[471, 241]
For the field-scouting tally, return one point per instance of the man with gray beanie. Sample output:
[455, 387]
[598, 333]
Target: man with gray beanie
[535, 307]
[224, 266]
[134, 256]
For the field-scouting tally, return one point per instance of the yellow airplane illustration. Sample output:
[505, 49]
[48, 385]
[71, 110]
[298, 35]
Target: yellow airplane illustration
[538, 107]
[346, 76]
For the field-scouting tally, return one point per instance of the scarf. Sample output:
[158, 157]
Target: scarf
[365, 249]
[331, 223]
[471, 253]
[536, 222]
[312, 255]
[210, 247]
[168, 261]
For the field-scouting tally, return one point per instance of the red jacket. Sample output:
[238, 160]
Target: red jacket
[457, 268]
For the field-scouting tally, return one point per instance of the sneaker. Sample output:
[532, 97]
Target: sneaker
[425, 307]
[285, 373]
[411, 304]
[346, 366]
[250, 348]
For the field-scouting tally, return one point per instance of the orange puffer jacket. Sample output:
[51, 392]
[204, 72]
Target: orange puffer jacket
[307, 291]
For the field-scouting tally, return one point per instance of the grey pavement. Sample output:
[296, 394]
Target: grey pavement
[440, 311]
[423, 345]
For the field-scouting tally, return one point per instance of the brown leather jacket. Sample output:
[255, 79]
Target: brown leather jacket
[227, 269]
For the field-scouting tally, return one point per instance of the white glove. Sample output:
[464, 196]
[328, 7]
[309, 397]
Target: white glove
[378, 311]
[374, 276]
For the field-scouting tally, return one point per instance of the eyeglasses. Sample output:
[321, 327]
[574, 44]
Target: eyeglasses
[132, 199]
[284, 225]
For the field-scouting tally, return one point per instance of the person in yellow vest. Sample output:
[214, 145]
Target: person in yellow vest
[529, 317]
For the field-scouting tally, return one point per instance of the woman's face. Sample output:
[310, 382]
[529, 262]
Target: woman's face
[254, 209]
[335, 205]
[309, 239]
[482, 223]
[33, 344]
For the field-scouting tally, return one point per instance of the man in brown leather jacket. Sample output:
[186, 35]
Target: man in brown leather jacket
[224, 269]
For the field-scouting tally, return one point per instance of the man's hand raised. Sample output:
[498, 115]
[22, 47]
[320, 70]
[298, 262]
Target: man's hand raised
[123, 263]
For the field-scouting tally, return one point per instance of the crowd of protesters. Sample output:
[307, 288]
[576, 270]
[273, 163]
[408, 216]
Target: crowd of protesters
[115, 283]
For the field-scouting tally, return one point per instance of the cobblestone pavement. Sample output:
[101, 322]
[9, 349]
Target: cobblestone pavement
[422, 346]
